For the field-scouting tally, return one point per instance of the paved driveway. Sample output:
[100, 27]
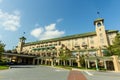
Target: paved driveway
[33, 73]
[96, 75]
[49, 73]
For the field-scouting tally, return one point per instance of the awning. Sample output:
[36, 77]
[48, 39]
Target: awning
[44, 48]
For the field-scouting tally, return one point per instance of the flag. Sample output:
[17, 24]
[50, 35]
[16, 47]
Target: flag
[23, 32]
[98, 12]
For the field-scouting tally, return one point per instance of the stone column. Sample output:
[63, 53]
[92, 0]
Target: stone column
[37, 61]
[45, 62]
[116, 63]
[58, 62]
[85, 63]
[88, 62]
[78, 60]
[19, 60]
[41, 62]
[61, 62]
[96, 63]
[33, 61]
[49, 62]
[52, 63]
[105, 66]
[78, 63]
[70, 64]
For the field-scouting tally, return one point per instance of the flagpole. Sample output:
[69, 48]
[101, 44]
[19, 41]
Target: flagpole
[98, 14]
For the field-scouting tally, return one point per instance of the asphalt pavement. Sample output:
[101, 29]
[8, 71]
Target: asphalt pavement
[33, 73]
[30, 72]
[98, 75]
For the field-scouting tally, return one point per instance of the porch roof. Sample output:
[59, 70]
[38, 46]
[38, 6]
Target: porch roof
[19, 55]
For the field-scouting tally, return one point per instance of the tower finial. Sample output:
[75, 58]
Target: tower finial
[23, 33]
[98, 14]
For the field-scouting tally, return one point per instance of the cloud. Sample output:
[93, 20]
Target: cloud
[59, 20]
[9, 21]
[47, 32]
[37, 32]
[50, 27]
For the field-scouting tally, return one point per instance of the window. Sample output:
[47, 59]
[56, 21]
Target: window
[83, 43]
[59, 43]
[102, 40]
[100, 34]
[68, 42]
[99, 24]
[83, 39]
[76, 42]
[76, 39]
[91, 42]
[91, 37]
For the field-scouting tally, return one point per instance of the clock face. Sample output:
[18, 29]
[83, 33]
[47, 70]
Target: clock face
[99, 24]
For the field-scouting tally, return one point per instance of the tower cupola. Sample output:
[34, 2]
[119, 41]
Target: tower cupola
[99, 22]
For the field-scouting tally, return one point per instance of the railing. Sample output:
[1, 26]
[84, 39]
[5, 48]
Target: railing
[100, 58]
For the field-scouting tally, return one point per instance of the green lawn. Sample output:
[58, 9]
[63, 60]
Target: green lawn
[4, 67]
[65, 67]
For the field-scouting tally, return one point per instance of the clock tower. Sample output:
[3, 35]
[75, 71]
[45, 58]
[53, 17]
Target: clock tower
[21, 44]
[101, 34]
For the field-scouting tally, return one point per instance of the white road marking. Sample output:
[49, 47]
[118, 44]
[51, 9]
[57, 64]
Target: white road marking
[90, 74]
[57, 70]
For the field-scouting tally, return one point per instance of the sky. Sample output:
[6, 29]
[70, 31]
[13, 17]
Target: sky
[45, 19]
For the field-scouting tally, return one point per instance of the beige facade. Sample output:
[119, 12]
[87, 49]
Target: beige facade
[92, 42]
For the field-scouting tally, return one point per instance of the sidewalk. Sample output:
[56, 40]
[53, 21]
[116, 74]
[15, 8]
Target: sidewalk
[76, 75]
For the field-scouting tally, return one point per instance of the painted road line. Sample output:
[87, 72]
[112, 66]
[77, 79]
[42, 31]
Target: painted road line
[58, 70]
[90, 74]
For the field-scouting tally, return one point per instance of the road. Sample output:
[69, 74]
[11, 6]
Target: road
[33, 73]
[97, 75]
[49, 73]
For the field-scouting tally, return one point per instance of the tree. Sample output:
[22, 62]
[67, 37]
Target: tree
[65, 54]
[2, 45]
[115, 48]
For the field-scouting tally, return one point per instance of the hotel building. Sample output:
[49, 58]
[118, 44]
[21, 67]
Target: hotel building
[94, 42]
[89, 44]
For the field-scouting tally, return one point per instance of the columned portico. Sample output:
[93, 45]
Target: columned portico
[104, 62]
